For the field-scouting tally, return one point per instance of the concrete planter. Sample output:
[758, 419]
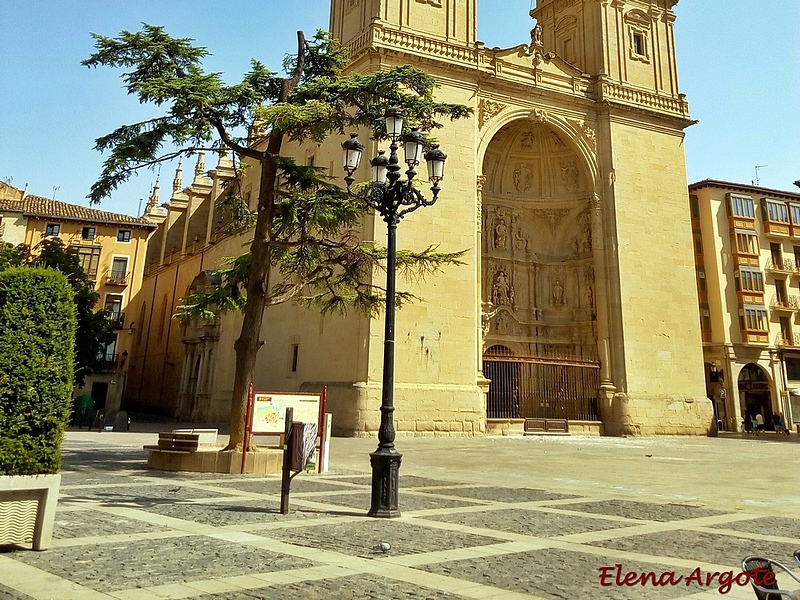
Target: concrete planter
[28, 509]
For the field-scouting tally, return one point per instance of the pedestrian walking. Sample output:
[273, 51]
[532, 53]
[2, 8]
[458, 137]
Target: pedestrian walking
[759, 423]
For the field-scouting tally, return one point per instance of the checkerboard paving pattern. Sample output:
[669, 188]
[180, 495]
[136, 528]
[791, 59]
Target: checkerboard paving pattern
[126, 533]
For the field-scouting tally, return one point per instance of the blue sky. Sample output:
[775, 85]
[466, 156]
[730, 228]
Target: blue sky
[738, 63]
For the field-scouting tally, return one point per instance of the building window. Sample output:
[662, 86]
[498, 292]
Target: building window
[742, 206]
[124, 235]
[114, 308]
[746, 242]
[749, 280]
[295, 355]
[794, 209]
[52, 229]
[701, 279]
[694, 203]
[697, 240]
[640, 43]
[777, 212]
[89, 258]
[88, 233]
[797, 257]
[119, 269]
[110, 354]
[754, 318]
[792, 368]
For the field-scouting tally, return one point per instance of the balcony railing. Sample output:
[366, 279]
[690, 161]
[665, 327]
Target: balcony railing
[791, 303]
[117, 320]
[793, 341]
[786, 265]
[117, 278]
[108, 361]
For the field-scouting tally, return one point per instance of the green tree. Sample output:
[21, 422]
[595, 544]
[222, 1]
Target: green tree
[94, 331]
[303, 248]
[37, 339]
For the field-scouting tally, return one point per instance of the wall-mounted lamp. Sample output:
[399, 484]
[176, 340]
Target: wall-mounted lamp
[131, 328]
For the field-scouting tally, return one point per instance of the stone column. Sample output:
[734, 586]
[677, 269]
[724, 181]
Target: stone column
[601, 301]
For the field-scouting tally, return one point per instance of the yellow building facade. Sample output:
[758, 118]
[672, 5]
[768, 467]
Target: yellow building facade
[111, 248]
[747, 261]
[567, 188]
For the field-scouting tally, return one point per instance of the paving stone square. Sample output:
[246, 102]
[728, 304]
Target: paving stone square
[528, 522]
[85, 523]
[361, 538]
[143, 494]
[223, 514]
[300, 484]
[778, 526]
[554, 573]
[361, 587]
[502, 494]
[406, 502]
[218, 549]
[406, 481]
[108, 567]
[648, 511]
[700, 546]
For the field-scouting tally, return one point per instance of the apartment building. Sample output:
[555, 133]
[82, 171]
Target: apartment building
[111, 248]
[747, 261]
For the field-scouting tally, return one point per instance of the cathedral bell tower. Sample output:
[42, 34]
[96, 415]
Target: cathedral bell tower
[453, 21]
[628, 42]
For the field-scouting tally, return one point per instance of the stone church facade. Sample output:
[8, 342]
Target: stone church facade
[567, 187]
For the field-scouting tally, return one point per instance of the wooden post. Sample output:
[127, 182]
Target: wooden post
[287, 461]
[248, 423]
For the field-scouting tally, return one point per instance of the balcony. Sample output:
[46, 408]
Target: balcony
[785, 303]
[117, 320]
[776, 229]
[107, 362]
[793, 341]
[117, 278]
[785, 266]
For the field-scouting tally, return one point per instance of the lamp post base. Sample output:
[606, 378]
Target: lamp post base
[385, 483]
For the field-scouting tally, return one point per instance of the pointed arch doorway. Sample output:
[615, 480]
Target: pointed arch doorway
[537, 273]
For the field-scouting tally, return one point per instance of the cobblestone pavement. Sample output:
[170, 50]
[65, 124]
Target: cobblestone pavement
[569, 519]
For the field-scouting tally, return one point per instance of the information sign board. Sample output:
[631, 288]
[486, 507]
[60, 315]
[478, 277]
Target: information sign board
[269, 410]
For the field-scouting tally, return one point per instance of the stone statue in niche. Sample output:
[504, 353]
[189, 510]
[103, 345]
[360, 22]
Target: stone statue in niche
[556, 140]
[570, 177]
[589, 297]
[528, 139]
[502, 290]
[501, 323]
[522, 178]
[558, 293]
[501, 234]
[586, 240]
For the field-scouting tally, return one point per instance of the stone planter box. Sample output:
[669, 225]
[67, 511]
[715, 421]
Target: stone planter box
[28, 509]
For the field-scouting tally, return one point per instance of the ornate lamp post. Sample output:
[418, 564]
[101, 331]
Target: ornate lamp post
[392, 199]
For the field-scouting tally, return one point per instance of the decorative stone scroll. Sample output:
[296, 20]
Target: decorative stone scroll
[487, 109]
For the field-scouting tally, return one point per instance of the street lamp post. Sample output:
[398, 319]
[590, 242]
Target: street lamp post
[392, 199]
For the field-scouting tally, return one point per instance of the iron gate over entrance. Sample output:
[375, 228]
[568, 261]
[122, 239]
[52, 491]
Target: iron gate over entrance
[541, 388]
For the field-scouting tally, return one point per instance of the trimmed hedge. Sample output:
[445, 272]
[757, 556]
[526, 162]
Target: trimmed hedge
[37, 351]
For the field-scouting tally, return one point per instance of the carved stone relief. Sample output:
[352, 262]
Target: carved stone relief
[523, 178]
[502, 290]
[570, 176]
[487, 109]
[527, 140]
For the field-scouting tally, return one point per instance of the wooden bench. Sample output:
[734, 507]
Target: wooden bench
[176, 442]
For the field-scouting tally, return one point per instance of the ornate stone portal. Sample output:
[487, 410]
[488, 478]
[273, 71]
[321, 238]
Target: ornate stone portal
[537, 259]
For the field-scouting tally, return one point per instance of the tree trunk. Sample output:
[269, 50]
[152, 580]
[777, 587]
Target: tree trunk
[248, 344]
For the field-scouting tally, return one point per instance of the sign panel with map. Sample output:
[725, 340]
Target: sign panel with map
[269, 410]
